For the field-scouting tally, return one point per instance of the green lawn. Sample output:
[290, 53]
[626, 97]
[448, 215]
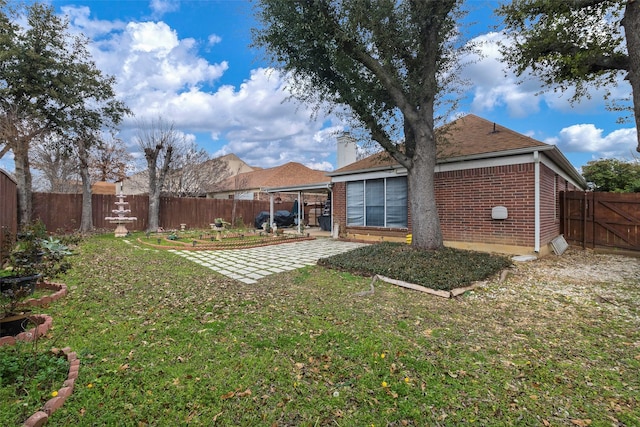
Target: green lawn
[163, 341]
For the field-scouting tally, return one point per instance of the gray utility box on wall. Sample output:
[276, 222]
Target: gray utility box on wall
[499, 212]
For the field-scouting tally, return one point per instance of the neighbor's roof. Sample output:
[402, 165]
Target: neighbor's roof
[470, 137]
[102, 187]
[287, 175]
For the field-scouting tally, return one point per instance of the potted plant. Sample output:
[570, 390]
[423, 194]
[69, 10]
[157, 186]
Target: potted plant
[22, 268]
[32, 258]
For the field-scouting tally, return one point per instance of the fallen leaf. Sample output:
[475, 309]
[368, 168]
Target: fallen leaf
[228, 395]
[581, 423]
[247, 392]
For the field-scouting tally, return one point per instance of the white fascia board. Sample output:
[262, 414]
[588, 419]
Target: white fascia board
[485, 163]
[441, 167]
[388, 173]
[297, 188]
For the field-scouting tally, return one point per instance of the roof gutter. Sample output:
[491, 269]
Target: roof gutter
[298, 188]
[374, 169]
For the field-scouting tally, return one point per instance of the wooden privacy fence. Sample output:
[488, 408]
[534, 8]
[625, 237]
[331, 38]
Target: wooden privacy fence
[8, 211]
[62, 212]
[604, 220]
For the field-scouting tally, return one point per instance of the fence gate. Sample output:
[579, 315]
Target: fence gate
[594, 219]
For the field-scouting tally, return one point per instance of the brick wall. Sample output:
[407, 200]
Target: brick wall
[549, 205]
[466, 198]
[339, 200]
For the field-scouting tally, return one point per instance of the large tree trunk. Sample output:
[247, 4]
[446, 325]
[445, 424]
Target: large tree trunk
[86, 220]
[156, 184]
[154, 201]
[23, 178]
[425, 222]
[631, 23]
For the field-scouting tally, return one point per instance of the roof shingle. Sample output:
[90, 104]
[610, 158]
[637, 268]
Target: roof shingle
[289, 174]
[467, 136]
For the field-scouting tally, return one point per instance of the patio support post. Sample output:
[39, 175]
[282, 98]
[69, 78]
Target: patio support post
[300, 211]
[271, 217]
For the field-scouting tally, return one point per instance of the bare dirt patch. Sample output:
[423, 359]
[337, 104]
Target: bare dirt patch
[582, 276]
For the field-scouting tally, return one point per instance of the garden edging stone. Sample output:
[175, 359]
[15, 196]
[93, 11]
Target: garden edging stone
[40, 418]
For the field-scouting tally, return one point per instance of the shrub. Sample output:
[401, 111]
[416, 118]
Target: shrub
[444, 269]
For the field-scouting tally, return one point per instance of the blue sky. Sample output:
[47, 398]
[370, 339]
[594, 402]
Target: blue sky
[190, 62]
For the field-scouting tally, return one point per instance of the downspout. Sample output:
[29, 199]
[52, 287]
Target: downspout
[536, 203]
[332, 225]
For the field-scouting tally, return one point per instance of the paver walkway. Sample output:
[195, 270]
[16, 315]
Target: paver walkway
[250, 265]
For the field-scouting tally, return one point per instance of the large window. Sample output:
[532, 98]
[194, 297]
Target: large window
[377, 203]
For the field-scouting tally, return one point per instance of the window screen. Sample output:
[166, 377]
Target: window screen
[377, 203]
[396, 199]
[355, 203]
[374, 199]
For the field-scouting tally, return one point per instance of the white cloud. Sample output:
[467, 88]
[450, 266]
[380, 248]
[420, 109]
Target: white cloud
[321, 166]
[587, 138]
[160, 7]
[79, 16]
[494, 85]
[262, 128]
[214, 39]
[160, 74]
[152, 37]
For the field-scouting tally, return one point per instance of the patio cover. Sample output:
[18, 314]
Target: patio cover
[322, 187]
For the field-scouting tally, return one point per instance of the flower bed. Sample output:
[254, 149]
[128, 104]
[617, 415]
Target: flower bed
[231, 241]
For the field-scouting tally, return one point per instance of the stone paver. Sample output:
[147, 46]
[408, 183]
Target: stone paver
[252, 264]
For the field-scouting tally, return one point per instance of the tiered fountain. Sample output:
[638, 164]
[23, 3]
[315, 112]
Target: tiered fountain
[122, 219]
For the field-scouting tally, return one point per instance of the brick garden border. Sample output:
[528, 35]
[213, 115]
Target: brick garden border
[43, 324]
[200, 246]
[40, 418]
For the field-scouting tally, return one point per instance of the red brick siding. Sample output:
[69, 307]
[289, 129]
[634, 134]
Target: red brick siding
[339, 200]
[465, 200]
[549, 208]
[550, 226]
